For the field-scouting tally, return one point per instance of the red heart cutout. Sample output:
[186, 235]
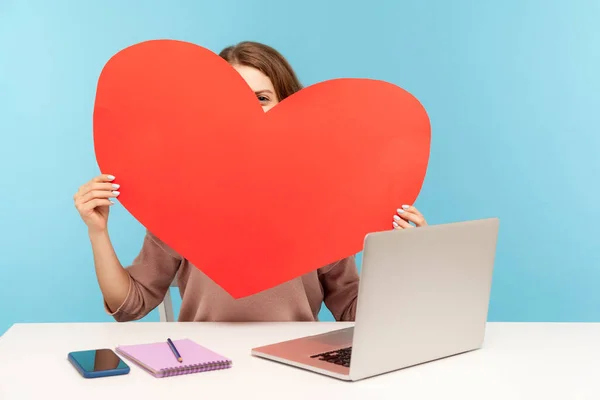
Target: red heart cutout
[254, 199]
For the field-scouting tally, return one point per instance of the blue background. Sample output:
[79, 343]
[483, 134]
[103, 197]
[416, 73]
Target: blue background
[511, 88]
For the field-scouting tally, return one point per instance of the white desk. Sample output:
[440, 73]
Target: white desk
[518, 361]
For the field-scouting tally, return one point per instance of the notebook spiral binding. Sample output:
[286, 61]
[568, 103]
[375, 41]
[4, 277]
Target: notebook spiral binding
[211, 366]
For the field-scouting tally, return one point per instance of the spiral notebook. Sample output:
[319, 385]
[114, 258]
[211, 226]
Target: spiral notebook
[159, 360]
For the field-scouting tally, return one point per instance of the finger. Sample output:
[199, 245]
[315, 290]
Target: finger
[98, 194]
[90, 205]
[92, 186]
[104, 178]
[418, 220]
[104, 186]
[399, 223]
[410, 208]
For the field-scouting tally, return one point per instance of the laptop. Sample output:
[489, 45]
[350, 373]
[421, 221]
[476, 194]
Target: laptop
[423, 296]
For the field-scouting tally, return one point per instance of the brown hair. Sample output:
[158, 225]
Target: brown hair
[267, 60]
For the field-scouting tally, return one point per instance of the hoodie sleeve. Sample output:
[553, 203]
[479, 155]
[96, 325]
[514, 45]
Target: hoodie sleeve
[340, 288]
[150, 276]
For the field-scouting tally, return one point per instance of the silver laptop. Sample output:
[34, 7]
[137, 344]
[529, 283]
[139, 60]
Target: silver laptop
[423, 295]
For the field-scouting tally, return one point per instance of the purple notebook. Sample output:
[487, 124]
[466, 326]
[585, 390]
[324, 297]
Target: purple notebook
[159, 360]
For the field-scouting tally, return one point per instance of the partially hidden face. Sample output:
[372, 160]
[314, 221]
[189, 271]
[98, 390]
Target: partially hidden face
[260, 84]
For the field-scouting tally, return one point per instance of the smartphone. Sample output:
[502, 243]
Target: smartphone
[98, 363]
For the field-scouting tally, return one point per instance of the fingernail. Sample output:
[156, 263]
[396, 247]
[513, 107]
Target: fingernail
[405, 207]
[112, 203]
[395, 224]
[397, 218]
[116, 193]
[111, 178]
[116, 186]
[400, 211]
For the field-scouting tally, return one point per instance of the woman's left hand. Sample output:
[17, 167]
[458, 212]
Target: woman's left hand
[407, 214]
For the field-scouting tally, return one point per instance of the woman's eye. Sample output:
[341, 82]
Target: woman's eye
[263, 99]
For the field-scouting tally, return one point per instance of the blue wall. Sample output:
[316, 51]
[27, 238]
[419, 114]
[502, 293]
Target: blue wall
[511, 88]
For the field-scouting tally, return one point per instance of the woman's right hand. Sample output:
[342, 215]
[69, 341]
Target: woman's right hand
[92, 200]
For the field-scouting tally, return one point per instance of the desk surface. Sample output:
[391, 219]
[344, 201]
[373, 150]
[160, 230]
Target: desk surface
[519, 361]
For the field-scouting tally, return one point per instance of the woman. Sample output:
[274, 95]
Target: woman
[131, 293]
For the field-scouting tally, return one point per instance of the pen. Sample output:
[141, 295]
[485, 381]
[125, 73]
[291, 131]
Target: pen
[174, 350]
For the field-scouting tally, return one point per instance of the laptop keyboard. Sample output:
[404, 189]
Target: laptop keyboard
[339, 357]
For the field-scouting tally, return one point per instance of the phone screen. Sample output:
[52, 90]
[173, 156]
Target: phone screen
[98, 360]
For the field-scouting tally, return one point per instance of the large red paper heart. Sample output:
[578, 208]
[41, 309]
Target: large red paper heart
[254, 199]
